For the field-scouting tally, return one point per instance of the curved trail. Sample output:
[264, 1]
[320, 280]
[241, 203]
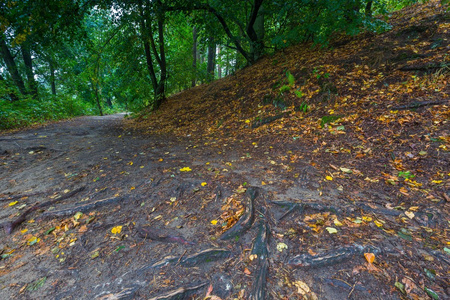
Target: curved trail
[171, 189]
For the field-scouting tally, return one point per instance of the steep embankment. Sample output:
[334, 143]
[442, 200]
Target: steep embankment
[362, 79]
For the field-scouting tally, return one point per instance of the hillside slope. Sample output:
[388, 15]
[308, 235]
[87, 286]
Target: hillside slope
[367, 75]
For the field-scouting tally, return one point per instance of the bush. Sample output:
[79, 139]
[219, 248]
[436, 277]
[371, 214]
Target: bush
[26, 112]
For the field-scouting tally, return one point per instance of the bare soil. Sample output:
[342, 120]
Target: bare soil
[83, 259]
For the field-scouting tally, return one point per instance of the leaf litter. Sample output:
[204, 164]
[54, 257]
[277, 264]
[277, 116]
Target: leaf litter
[357, 163]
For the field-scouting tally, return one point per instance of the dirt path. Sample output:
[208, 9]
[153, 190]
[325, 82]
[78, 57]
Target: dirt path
[228, 216]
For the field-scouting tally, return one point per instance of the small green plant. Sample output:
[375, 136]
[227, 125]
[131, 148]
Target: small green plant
[304, 107]
[285, 88]
[298, 93]
[406, 175]
[329, 119]
[290, 78]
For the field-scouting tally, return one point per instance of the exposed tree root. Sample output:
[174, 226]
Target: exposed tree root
[148, 233]
[127, 293]
[301, 206]
[81, 208]
[331, 257]
[260, 248]
[246, 220]
[10, 226]
[21, 196]
[181, 293]
[196, 259]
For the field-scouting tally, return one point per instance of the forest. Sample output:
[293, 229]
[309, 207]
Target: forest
[67, 58]
[214, 150]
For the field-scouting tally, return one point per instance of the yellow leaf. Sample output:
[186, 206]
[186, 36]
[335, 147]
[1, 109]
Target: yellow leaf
[281, 247]
[247, 121]
[33, 240]
[78, 215]
[409, 214]
[329, 178]
[132, 188]
[379, 224]
[214, 222]
[370, 257]
[346, 170]
[130, 163]
[117, 229]
[185, 169]
[338, 223]
[203, 184]
[24, 231]
[331, 230]
[367, 219]
[263, 183]
[160, 159]
[13, 203]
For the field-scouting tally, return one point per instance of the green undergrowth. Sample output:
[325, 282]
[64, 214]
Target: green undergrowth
[26, 112]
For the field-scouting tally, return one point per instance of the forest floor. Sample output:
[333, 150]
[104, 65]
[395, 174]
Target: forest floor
[314, 174]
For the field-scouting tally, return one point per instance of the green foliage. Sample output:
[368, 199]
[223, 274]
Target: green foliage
[290, 78]
[406, 174]
[304, 107]
[285, 88]
[329, 119]
[28, 111]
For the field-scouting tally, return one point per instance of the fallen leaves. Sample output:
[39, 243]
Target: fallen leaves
[116, 229]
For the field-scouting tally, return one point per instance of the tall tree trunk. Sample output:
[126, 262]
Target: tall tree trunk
[97, 97]
[210, 66]
[368, 9]
[161, 91]
[11, 66]
[255, 31]
[194, 56]
[28, 61]
[52, 77]
[149, 46]
[219, 67]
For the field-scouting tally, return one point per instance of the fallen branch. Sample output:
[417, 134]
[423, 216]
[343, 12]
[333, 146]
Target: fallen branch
[181, 293]
[246, 220]
[21, 196]
[81, 208]
[148, 233]
[268, 120]
[10, 226]
[419, 104]
[426, 67]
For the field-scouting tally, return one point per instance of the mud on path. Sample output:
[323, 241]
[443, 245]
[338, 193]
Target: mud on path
[113, 214]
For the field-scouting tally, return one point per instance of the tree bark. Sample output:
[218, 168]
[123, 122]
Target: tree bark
[28, 61]
[11, 66]
[194, 56]
[52, 77]
[368, 9]
[211, 59]
[219, 67]
[149, 46]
